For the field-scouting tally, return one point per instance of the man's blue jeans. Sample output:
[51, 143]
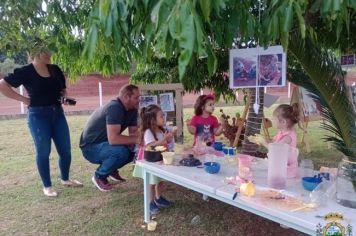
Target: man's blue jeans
[109, 157]
[46, 123]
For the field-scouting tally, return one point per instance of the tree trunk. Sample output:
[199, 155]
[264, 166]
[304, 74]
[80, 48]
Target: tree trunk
[254, 122]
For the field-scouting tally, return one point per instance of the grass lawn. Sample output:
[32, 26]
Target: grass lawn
[24, 210]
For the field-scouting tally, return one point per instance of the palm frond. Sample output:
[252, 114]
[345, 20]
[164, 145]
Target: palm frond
[320, 74]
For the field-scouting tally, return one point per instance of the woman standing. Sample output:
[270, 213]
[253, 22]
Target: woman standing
[45, 85]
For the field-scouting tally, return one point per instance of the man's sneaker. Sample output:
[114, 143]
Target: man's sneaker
[102, 184]
[114, 176]
[154, 210]
[162, 202]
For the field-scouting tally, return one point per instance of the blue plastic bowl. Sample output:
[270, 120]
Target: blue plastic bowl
[212, 167]
[229, 151]
[310, 183]
[218, 146]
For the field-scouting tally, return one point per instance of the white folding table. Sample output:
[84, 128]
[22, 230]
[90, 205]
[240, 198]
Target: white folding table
[214, 186]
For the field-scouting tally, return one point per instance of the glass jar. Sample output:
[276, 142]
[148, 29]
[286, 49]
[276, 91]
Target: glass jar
[346, 183]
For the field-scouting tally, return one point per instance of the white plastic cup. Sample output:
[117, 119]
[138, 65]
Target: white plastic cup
[168, 157]
[151, 226]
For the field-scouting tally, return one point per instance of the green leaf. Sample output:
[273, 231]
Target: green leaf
[116, 37]
[326, 6]
[288, 18]
[200, 38]
[163, 13]
[161, 38]
[352, 4]
[336, 5]
[145, 2]
[212, 62]
[316, 6]
[338, 28]
[155, 13]
[284, 40]
[108, 26]
[91, 42]
[206, 8]
[300, 17]
[103, 8]
[218, 5]
[172, 26]
[183, 61]
[187, 35]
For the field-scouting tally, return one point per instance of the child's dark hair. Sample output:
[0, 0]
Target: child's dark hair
[200, 103]
[148, 116]
[288, 112]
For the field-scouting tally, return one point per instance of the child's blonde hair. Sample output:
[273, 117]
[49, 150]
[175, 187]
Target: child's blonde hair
[289, 113]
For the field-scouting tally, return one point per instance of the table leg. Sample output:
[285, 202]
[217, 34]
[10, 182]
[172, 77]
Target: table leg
[146, 195]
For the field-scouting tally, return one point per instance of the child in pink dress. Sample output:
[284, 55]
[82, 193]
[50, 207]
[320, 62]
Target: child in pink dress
[204, 125]
[284, 118]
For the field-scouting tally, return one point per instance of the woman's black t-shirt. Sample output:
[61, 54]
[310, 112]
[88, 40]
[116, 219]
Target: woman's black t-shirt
[43, 91]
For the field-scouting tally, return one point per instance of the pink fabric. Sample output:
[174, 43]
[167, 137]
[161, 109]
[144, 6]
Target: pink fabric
[204, 128]
[292, 168]
[141, 152]
[291, 133]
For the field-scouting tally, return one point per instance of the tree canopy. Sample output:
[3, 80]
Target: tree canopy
[110, 35]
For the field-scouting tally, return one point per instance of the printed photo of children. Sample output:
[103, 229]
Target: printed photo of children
[244, 71]
[257, 67]
[270, 67]
[147, 100]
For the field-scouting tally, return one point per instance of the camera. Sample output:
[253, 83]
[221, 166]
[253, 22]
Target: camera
[68, 101]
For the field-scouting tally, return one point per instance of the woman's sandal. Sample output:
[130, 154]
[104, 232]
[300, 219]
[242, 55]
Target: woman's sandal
[50, 192]
[71, 183]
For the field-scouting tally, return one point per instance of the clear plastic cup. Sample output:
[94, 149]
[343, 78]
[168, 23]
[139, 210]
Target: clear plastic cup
[306, 168]
[323, 192]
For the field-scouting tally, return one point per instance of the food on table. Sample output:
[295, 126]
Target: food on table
[247, 189]
[160, 148]
[190, 161]
[280, 200]
[156, 149]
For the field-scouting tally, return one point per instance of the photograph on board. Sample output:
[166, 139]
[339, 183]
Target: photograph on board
[166, 102]
[270, 70]
[257, 67]
[147, 100]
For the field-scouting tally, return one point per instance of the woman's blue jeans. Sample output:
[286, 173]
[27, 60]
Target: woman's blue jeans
[109, 157]
[47, 123]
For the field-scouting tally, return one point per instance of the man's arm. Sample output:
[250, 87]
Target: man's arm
[133, 131]
[114, 136]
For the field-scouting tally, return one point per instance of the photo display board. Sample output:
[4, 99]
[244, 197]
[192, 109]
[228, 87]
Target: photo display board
[257, 67]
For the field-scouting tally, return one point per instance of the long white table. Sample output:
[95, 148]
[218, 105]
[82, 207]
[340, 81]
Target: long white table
[213, 185]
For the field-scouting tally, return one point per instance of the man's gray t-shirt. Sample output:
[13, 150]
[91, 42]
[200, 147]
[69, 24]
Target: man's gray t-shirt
[113, 113]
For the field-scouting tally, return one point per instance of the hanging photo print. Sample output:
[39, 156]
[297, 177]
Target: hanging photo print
[147, 100]
[347, 60]
[257, 67]
[310, 107]
[166, 102]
